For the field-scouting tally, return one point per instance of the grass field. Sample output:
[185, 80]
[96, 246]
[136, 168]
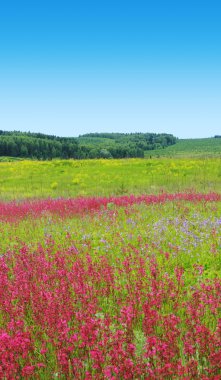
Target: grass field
[70, 178]
[98, 281]
[190, 148]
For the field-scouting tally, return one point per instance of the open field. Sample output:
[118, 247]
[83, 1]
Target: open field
[124, 288]
[99, 279]
[190, 148]
[71, 178]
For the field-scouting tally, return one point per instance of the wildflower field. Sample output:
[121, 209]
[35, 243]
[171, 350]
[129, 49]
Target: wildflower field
[71, 178]
[113, 286]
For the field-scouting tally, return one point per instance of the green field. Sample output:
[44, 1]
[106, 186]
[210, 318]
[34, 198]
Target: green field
[127, 290]
[71, 178]
[192, 148]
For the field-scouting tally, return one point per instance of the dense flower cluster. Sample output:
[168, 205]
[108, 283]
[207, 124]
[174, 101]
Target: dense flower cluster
[79, 309]
[78, 206]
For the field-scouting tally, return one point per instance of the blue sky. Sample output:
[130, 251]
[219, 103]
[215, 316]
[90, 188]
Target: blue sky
[73, 67]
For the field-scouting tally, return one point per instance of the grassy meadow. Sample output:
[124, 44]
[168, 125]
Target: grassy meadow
[131, 291]
[71, 178]
[109, 283]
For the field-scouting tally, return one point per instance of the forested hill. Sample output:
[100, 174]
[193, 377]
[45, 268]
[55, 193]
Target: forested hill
[92, 145]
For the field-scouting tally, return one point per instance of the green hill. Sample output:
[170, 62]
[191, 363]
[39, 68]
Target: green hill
[206, 147]
[104, 145]
[93, 145]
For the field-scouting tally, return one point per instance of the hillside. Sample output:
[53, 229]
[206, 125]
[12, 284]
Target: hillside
[206, 147]
[18, 145]
[95, 145]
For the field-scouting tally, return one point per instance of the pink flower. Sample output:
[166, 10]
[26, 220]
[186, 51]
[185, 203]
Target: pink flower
[28, 370]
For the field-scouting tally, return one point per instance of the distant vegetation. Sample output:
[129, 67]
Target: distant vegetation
[37, 145]
[95, 145]
[20, 145]
[192, 148]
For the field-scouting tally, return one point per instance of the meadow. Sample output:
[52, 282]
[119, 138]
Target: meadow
[71, 178]
[120, 288]
[110, 269]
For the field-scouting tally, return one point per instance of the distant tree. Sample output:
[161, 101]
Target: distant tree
[104, 153]
[24, 151]
[93, 153]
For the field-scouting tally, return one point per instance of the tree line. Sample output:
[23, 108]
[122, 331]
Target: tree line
[94, 145]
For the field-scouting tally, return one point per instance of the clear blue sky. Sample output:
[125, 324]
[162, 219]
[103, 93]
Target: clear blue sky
[72, 67]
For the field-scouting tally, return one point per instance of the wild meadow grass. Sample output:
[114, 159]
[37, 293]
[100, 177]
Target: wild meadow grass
[71, 178]
[119, 288]
[110, 269]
